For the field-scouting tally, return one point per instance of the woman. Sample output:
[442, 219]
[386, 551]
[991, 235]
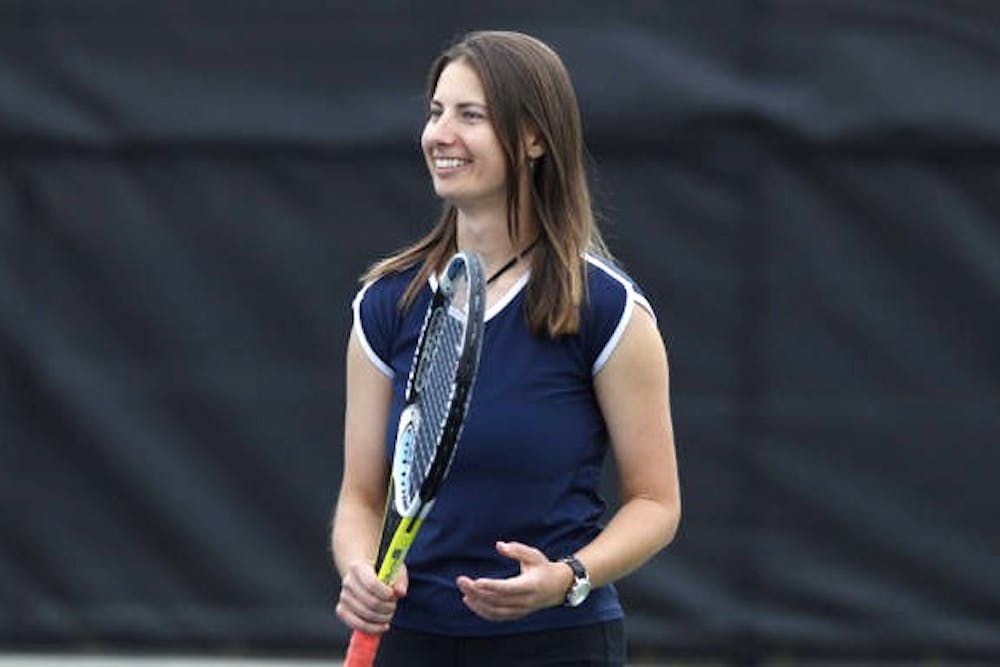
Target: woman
[512, 566]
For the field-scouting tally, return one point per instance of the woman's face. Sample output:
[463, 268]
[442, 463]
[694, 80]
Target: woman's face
[463, 154]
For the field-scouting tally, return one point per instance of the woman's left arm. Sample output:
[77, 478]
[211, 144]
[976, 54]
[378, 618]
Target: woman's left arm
[633, 392]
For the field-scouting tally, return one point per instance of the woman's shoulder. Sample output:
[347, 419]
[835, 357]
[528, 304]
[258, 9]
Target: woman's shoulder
[612, 295]
[377, 315]
[390, 285]
[378, 300]
[608, 284]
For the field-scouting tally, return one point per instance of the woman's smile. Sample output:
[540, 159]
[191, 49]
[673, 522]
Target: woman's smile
[448, 165]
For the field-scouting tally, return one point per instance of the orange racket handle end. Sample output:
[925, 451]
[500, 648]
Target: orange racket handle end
[362, 649]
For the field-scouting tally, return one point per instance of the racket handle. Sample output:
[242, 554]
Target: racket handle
[362, 649]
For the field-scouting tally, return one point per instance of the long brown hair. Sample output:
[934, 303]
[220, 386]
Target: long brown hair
[526, 87]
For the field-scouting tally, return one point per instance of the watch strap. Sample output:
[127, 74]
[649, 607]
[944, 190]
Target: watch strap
[579, 589]
[579, 571]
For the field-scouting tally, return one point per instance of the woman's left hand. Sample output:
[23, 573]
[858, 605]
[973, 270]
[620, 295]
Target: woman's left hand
[541, 583]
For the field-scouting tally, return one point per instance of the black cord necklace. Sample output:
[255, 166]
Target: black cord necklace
[513, 260]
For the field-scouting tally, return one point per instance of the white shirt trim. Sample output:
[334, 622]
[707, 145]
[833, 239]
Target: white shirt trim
[497, 307]
[616, 336]
[363, 339]
[514, 290]
[631, 298]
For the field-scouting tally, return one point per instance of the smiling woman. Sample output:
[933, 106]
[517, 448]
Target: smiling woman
[465, 158]
[513, 566]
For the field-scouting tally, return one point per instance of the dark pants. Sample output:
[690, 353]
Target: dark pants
[598, 645]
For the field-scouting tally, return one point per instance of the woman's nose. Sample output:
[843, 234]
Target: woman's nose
[440, 130]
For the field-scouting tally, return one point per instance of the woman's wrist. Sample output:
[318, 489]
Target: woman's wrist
[352, 563]
[564, 578]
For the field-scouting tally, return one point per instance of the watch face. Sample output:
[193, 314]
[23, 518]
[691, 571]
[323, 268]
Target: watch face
[578, 593]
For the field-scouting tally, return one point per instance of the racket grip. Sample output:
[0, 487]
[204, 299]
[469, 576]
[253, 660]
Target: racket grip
[362, 649]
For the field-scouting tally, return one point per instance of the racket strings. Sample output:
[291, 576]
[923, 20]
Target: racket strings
[434, 400]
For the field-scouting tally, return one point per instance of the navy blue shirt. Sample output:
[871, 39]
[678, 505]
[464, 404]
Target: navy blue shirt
[529, 461]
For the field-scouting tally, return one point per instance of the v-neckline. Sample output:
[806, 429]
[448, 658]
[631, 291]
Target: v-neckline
[500, 303]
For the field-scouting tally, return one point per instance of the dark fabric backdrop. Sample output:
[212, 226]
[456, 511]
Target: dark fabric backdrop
[807, 190]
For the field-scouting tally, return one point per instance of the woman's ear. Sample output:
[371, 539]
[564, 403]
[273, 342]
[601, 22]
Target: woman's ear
[534, 146]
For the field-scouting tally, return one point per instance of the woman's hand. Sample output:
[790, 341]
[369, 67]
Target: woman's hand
[367, 604]
[541, 583]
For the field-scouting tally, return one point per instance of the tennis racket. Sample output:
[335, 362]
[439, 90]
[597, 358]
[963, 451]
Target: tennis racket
[437, 397]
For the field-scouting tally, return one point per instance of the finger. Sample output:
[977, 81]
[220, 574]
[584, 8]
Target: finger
[494, 602]
[363, 598]
[366, 579]
[501, 589]
[366, 586]
[367, 609]
[465, 584]
[520, 552]
[356, 622]
[487, 610]
[402, 583]
[492, 590]
[493, 612]
[368, 601]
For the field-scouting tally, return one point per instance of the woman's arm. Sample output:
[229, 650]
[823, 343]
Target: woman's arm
[365, 603]
[633, 392]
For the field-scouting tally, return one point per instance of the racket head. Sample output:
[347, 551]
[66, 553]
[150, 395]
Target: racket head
[439, 386]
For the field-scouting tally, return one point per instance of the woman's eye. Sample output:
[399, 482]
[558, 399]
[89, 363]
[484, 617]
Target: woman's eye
[434, 113]
[473, 115]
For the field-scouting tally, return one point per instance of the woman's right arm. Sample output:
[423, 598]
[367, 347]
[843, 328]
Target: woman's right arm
[365, 603]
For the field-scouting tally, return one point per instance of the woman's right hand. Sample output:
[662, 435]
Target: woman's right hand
[367, 604]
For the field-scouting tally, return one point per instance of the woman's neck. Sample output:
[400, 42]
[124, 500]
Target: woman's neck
[486, 234]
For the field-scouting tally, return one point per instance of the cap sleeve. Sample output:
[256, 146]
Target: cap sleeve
[375, 317]
[612, 298]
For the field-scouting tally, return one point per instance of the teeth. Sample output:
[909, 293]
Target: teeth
[449, 162]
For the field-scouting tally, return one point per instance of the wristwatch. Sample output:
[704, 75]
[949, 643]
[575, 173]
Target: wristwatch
[580, 588]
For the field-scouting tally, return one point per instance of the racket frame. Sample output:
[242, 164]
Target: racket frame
[401, 525]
